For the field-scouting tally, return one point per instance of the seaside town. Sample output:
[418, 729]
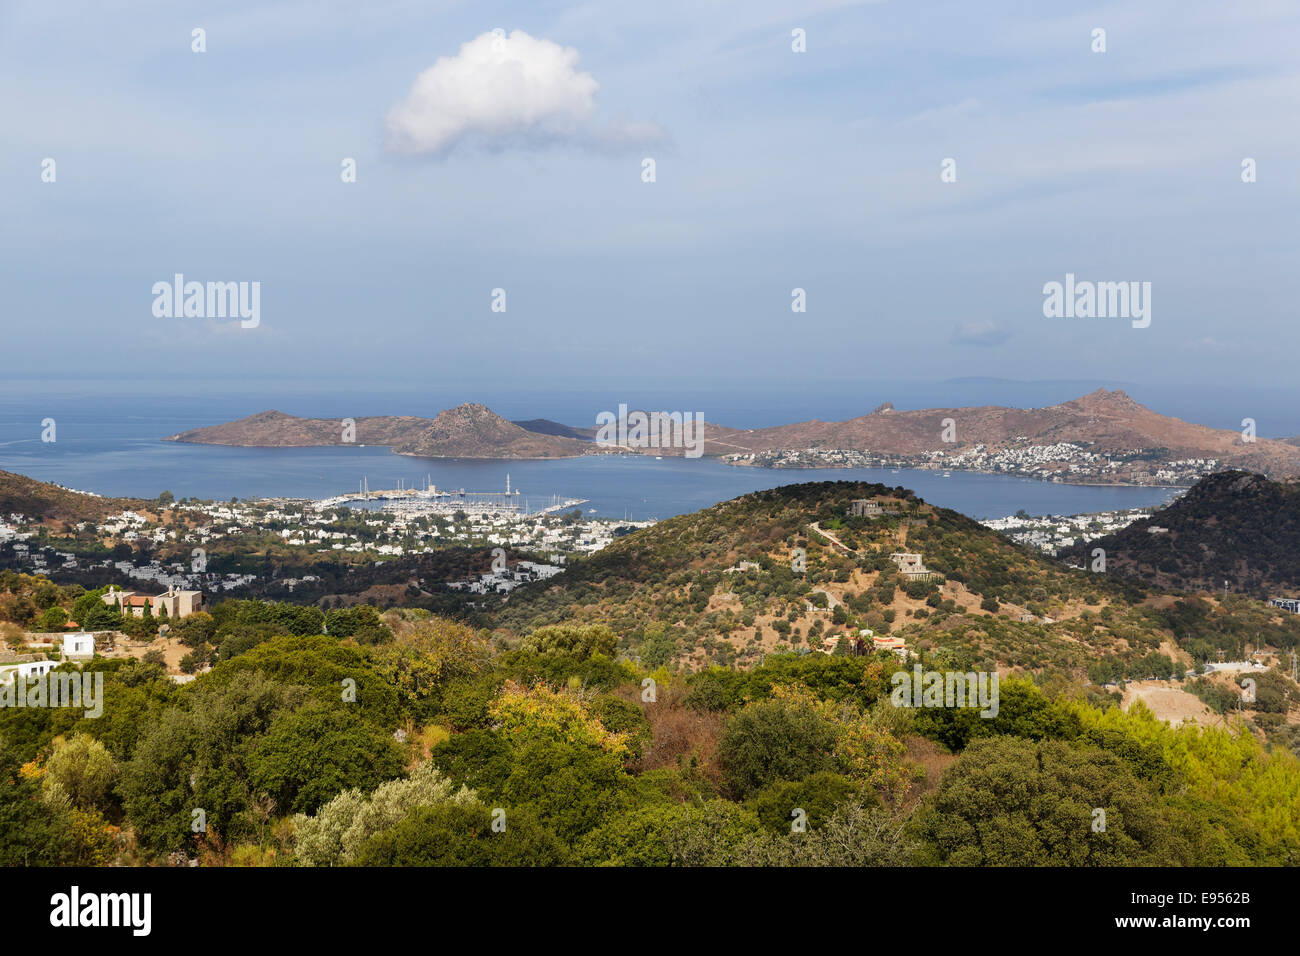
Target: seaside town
[389, 525]
[1061, 462]
[198, 544]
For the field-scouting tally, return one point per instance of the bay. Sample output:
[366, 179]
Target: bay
[110, 445]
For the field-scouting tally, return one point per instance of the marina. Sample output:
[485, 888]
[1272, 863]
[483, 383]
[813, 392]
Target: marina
[433, 500]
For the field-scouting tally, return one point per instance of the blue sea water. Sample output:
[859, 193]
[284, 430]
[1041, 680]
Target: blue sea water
[110, 443]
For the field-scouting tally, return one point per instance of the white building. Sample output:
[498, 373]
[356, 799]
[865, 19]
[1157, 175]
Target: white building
[79, 646]
[25, 667]
[911, 566]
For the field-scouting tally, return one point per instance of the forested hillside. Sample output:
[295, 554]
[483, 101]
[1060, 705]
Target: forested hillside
[419, 744]
[1233, 527]
[719, 587]
[623, 714]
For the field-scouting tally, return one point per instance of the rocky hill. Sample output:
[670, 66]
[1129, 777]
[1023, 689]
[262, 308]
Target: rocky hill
[475, 431]
[1233, 526]
[1135, 441]
[273, 429]
[467, 431]
[1104, 437]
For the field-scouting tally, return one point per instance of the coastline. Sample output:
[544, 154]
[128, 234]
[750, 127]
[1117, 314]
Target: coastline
[647, 453]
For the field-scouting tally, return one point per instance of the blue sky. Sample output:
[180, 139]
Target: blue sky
[774, 170]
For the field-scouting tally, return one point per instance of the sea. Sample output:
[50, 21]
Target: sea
[108, 440]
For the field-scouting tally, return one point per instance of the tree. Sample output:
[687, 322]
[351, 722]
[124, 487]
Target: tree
[33, 831]
[574, 640]
[817, 795]
[855, 835]
[196, 758]
[52, 619]
[195, 630]
[564, 764]
[778, 739]
[1013, 802]
[342, 827]
[424, 655]
[668, 834]
[451, 834]
[92, 614]
[84, 770]
[361, 623]
[309, 755]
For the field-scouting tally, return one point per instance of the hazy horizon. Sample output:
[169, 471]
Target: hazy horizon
[185, 403]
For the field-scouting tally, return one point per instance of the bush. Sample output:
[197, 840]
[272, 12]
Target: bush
[571, 640]
[456, 835]
[817, 795]
[774, 740]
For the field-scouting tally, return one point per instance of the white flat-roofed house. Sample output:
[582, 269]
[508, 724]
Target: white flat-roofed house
[79, 647]
[25, 666]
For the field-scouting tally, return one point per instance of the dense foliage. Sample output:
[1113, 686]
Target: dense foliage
[320, 736]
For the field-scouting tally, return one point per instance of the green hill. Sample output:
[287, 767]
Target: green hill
[718, 587]
[1233, 526]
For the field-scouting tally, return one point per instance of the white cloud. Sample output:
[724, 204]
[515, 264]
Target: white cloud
[504, 91]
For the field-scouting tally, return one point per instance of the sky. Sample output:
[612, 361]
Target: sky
[502, 146]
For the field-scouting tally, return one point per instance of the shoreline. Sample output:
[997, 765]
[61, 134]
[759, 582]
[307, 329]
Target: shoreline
[634, 453]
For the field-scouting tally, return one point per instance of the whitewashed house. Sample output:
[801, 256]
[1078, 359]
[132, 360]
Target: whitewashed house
[79, 646]
[25, 666]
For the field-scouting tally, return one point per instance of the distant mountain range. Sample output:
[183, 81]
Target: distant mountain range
[1103, 437]
[1233, 527]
